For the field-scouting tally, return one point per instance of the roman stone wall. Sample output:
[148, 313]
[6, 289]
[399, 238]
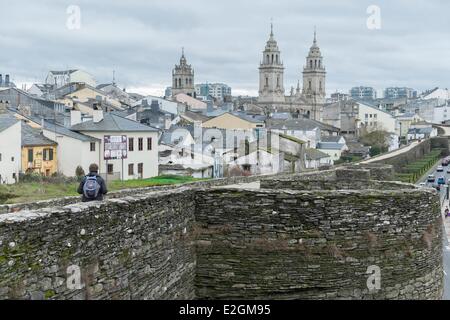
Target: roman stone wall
[318, 244]
[400, 160]
[204, 241]
[131, 248]
[63, 201]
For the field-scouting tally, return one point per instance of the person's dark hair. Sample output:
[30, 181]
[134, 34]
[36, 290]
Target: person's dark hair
[93, 168]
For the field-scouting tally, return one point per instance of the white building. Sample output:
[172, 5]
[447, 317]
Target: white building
[216, 90]
[61, 78]
[164, 104]
[333, 146]
[437, 93]
[303, 129]
[142, 144]
[373, 118]
[10, 147]
[441, 114]
[314, 159]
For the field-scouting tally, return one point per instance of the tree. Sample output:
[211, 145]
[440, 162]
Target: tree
[79, 172]
[378, 141]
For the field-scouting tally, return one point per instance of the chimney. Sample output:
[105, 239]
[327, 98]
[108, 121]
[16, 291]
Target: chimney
[167, 121]
[209, 106]
[155, 106]
[3, 106]
[75, 117]
[98, 116]
[7, 80]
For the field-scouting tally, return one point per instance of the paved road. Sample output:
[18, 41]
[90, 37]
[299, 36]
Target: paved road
[445, 245]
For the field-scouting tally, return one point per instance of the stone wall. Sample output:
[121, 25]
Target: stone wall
[345, 178]
[63, 201]
[400, 160]
[129, 248]
[318, 244]
[196, 241]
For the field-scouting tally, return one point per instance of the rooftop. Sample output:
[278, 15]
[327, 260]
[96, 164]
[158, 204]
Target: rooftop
[114, 123]
[34, 137]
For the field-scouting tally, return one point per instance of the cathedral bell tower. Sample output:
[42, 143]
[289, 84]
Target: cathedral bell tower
[183, 78]
[314, 75]
[271, 71]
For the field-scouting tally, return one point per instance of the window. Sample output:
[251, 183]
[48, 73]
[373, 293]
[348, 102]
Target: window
[367, 116]
[0, 157]
[30, 155]
[130, 144]
[310, 85]
[12, 159]
[140, 169]
[131, 169]
[267, 82]
[48, 154]
[92, 146]
[247, 147]
[149, 143]
[110, 168]
[140, 144]
[375, 115]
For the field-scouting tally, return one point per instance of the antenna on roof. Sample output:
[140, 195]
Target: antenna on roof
[114, 78]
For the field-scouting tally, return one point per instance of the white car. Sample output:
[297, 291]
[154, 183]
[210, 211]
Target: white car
[440, 169]
[422, 184]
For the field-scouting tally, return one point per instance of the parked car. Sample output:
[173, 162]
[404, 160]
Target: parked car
[431, 178]
[441, 180]
[440, 169]
[448, 170]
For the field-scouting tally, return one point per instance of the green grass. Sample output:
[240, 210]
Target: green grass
[415, 170]
[35, 191]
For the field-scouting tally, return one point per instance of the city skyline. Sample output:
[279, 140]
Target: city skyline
[142, 42]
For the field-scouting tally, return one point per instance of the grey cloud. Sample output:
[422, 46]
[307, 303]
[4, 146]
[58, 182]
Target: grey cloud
[142, 40]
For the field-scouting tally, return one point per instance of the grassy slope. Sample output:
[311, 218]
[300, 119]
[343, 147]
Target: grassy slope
[33, 191]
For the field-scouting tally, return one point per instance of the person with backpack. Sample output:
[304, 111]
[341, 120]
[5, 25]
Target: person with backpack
[92, 187]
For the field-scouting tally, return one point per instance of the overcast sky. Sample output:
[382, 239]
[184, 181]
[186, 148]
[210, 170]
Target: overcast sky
[223, 40]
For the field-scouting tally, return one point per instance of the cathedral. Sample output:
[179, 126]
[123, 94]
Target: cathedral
[309, 100]
[183, 78]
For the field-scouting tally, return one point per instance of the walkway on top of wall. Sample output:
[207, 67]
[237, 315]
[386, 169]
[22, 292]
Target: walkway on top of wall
[393, 153]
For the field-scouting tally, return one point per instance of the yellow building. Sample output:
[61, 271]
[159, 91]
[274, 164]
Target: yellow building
[38, 152]
[233, 121]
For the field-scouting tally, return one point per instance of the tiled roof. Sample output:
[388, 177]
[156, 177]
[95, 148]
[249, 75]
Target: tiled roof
[314, 154]
[113, 123]
[7, 120]
[330, 146]
[335, 139]
[34, 137]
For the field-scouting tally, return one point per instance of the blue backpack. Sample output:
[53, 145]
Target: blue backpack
[91, 187]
